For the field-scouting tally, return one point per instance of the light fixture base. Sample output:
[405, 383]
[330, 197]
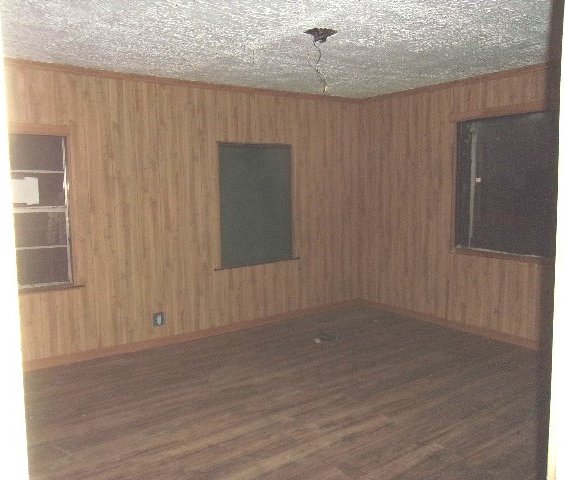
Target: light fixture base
[321, 34]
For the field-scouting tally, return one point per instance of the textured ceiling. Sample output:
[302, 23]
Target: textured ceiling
[381, 46]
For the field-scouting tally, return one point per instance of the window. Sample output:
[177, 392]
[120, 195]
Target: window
[41, 222]
[507, 184]
[255, 204]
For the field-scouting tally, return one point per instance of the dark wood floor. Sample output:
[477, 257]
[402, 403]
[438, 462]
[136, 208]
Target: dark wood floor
[392, 399]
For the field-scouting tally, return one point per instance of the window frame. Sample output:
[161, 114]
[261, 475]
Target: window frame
[60, 131]
[218, 222]
[524, 108]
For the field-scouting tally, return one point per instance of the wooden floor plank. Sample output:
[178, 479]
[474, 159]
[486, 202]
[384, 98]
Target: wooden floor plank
[393, 398]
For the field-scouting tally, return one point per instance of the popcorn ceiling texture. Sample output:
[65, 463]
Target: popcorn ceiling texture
[381, 46]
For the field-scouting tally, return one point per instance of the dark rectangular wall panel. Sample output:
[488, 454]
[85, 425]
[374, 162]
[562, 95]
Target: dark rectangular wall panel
[255, 203]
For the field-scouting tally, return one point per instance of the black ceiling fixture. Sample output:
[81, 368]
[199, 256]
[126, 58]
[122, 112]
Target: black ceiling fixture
[321, 34]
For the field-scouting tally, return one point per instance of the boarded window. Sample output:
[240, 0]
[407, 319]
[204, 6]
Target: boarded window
[255, 204]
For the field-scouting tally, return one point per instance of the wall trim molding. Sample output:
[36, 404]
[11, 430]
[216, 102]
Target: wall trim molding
[41, 363]
[94, 72]
[543, 68]
[516, 109]
[59, 67]
[532, 344]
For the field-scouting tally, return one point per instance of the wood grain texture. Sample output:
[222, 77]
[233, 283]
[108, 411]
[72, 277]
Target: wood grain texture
[372, 207]
[406, 257]
[82, 356]
[532, 344]
[144, 213]
[395, 398]
[94, 72]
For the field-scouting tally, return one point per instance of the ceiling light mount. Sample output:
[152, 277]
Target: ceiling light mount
[321, 34]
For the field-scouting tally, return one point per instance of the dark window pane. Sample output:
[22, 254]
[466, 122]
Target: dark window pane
[507, 184]
[36, 152]
[38, 165]
[255, 204]
[40, 266]
[40, 228]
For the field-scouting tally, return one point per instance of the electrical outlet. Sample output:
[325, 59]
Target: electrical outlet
[158, 319]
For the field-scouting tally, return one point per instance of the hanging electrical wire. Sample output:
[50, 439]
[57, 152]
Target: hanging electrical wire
[316, 68]
[320, 35]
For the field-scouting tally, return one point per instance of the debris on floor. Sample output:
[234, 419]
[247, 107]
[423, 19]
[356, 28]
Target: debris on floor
[324, 337]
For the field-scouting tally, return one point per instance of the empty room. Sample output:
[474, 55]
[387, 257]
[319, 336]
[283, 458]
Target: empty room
[286, 240]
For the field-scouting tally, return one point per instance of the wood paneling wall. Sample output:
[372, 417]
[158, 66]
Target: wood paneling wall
[144, 205]
[373, 185]
[406, 177]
